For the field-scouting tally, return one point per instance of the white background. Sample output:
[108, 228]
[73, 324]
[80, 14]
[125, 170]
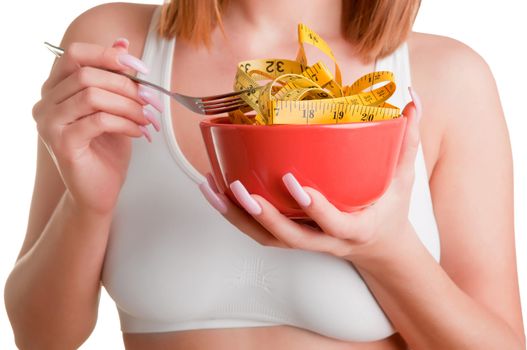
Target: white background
[495, 30]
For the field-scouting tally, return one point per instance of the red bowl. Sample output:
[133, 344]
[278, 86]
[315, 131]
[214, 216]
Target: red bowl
[351, 164]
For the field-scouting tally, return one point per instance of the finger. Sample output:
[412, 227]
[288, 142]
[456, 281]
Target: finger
[238, 217]
[331, 220]
[286, 230]
[212, 197]
[123, 44]
[92, 100]
[147, 95]
[80, 133]
[89, 76]
[410, 143]
[80, 54]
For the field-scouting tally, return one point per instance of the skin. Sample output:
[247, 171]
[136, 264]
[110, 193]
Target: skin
[464, 302]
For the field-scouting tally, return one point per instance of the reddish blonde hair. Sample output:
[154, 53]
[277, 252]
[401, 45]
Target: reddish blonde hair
[375, 27]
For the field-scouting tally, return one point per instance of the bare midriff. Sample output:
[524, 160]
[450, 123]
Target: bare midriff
[255, 338]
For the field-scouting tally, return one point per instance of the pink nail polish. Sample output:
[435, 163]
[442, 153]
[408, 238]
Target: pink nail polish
[145, 132]
[213, 198]
[149, 97]
[152, 118]
[245, 198]
[296, 190]
[123, 42]
[133, 62]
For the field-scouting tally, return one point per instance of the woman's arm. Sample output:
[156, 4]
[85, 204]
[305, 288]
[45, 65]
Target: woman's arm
[52, 293]
[471, 301]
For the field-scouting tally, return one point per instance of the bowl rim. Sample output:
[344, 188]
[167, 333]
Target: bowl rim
[215, 121]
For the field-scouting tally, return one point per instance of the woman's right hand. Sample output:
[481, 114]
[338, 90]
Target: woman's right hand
[86, 117]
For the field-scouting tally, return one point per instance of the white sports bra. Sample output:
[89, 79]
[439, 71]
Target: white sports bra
[174, 263]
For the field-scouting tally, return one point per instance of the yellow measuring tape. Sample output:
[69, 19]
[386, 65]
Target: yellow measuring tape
[297, 93]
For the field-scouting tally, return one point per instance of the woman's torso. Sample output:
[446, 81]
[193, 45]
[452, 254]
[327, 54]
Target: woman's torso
[201, 73]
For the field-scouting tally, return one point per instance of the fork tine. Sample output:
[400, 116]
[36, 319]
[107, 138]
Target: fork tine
[237, 105]
[220, 103]
[222, 110]
[217, 97]
[230, 94]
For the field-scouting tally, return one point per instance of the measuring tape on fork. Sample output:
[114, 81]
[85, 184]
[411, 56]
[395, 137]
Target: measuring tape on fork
[297, 93]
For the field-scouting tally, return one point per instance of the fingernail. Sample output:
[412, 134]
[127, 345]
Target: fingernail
[152, 118]
[149, 97]
[417, 102]
[123, 42]
[212, 182]
[245, 198]
[296, 190]
[133, 62]
[145, 132]
[213, 198]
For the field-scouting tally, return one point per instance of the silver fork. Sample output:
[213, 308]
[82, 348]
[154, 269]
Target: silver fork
[207, 105]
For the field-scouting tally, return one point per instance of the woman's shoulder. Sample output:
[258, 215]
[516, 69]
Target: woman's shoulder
[453, 80]
[446, 65]
[104, 23]
[443, 54]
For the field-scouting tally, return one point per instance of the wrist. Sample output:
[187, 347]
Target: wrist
[83, 213]
[388, 251]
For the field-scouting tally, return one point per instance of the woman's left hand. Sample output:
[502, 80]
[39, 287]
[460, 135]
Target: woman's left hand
[370, 231]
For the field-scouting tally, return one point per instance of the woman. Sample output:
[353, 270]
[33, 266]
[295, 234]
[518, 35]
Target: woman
[110, 208]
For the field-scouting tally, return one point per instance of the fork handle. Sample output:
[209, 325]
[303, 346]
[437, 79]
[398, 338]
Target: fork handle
[59, 52]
